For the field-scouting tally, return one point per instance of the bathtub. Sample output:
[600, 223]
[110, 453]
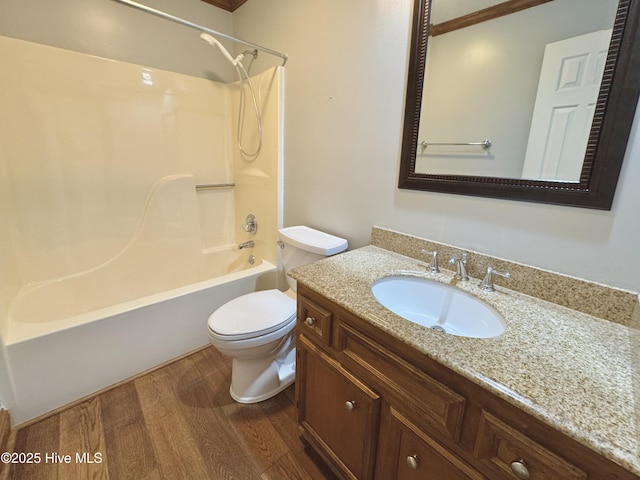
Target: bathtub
[57, 362]
[71, 336]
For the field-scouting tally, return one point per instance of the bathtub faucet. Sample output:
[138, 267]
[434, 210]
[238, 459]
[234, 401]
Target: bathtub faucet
[248, 244]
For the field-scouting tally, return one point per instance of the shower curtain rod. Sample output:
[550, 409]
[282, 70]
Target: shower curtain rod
[182, 21]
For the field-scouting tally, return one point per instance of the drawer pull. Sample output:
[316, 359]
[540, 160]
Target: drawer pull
[349, 405]
[412, 461]
[520, 470]
[310, 321]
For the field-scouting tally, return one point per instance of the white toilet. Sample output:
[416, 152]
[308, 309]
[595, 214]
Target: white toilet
[256, 329]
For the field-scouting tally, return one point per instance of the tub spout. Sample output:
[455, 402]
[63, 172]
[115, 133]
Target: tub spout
[248, 244]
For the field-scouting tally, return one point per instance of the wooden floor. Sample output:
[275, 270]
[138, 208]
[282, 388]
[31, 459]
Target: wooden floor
[178, 422]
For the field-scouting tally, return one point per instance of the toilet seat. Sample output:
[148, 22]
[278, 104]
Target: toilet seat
[252, 315]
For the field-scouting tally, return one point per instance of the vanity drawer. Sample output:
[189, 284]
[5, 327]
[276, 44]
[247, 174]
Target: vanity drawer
[432, 406]
[410, 454]
[314, 321]
[510, 455]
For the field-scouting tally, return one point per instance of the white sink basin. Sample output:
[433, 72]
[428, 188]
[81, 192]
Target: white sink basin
[438, 306]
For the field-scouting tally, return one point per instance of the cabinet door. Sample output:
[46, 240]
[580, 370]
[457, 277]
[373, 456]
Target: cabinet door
[338, 413]
[407, 453]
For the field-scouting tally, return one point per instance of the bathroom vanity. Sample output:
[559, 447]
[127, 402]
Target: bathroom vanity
[382, 398]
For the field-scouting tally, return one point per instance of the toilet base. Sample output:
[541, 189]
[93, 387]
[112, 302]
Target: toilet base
[254, 379]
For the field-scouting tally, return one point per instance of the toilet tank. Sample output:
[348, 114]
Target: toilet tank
[301, 245]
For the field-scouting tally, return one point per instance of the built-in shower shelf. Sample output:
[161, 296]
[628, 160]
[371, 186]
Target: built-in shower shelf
[215, 186]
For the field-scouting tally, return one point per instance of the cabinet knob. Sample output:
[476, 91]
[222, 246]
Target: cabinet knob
[520, 470]
[349, 405]
[412, 461]
[310, 321]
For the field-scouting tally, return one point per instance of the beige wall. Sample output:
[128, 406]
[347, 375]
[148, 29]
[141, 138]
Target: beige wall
[110, 29]
[343, 118]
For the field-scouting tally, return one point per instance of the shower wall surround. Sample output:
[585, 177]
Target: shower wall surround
[84, 139]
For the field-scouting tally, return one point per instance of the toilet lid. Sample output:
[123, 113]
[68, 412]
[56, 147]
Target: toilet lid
[253, 314]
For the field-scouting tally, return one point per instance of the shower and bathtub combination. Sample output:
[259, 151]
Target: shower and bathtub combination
[123, 194]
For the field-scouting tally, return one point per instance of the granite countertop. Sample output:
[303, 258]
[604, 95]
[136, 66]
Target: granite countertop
[573, 371]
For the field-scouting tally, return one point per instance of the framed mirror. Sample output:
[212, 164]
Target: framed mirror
[478, 115]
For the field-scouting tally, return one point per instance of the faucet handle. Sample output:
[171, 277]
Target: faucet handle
[458, 258]
[487, 282]
[251, 224]
[433, 265]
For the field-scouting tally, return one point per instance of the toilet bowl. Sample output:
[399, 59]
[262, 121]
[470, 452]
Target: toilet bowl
[256, 329]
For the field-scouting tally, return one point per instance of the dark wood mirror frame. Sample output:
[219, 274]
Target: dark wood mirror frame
[607, 142]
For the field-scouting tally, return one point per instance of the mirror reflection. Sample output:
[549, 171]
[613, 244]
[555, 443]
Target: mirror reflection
[512, 96]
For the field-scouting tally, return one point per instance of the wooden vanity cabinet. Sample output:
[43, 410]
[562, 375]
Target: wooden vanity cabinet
[376, 409]
[344, 417]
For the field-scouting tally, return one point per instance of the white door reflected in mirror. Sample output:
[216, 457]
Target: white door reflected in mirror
[482, 82]
[565, 103]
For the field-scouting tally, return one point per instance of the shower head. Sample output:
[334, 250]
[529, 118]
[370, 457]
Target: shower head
[212, 41]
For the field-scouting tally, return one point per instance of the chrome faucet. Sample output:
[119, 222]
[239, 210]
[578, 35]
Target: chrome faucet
[433, 266]
[460, 261]
[248, 244]
[487, 282]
